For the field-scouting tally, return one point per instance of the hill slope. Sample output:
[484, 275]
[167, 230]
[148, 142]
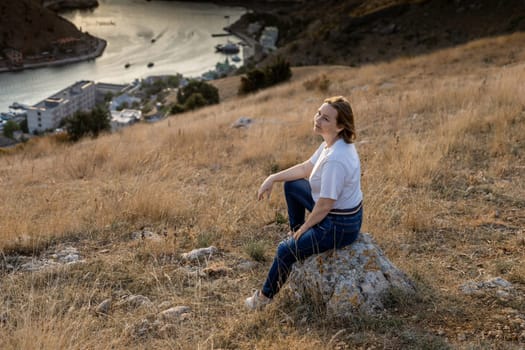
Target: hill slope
[441, 141]
[28, 27]
[356, 32]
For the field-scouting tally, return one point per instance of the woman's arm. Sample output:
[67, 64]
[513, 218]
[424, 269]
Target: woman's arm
[319, 212]
[299, 171]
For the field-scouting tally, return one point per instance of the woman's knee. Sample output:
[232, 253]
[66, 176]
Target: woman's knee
[295, 185]
[285, 252]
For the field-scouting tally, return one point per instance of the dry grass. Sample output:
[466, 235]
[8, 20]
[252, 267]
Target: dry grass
[441, 140]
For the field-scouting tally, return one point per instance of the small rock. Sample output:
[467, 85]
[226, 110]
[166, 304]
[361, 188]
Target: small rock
[137, 301]
[242, 122]
[104, 307]
[502, 295]
[174, 314]
[146, 235]
[164, 305]
[247, 265]
[216, 271]
[498, 282]
[196, 254]
[142, 329]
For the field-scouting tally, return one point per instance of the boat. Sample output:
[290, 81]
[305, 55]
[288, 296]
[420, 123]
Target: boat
[150, 64]
[127, 65]
[228, 48]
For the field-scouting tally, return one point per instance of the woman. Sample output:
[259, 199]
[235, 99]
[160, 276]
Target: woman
[332, 194]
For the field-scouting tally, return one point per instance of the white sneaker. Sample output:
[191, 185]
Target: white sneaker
[257, 301]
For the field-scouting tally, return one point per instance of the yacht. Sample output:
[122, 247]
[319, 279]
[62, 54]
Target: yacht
[228, 48]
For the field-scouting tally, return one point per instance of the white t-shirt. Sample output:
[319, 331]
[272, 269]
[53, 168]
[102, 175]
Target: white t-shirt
[337, 174]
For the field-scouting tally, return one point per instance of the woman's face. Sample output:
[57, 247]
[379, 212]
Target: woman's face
[325, 121]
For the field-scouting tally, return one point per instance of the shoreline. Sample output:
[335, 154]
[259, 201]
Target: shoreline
[101, 46]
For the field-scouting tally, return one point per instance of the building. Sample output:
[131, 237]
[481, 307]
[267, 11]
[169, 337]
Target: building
[106, 89]
[268, 38]
[47, 114]
[126, 117]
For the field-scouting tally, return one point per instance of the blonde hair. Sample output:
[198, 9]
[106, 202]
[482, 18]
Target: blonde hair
[345, 117]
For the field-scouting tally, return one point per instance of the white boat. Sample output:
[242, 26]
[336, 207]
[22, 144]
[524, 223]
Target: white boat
[228, 48]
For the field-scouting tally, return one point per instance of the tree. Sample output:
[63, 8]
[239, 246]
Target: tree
[88, 123]
[272, 74]
[24, 127]
[209, 92]
[9, 128]
[196, 100]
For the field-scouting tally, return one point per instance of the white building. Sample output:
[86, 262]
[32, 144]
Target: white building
[123, 100]
[47, 114]
[123, 118]
[268, 38]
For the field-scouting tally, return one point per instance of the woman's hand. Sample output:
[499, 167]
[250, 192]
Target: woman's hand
[297, 234]
[266, 188]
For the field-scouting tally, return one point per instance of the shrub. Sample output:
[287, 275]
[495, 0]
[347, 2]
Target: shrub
[321, 83]
[257, 79]
[9, 128]
[177, 108]
[196, 100]
[88, 123]
[209, 92]
[253, 81]
[255, 249]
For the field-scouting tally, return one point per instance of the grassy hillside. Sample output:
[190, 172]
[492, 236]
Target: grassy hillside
[442, 145]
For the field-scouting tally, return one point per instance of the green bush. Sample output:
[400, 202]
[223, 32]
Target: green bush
[270, 75]
[196, 100]
[24, 127]
[255, 249]
[209, 92]
[88, 123]
[10, 127]
[177, 108]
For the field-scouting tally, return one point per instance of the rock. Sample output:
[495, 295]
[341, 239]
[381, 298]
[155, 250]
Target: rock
[502, 286]
[141, 329]
[164, 305]
[137, 301]
[355, 278]
[196, 254]
[242, 122]
[174, 314]
[104, 307]
[247, 265]
[216, 271]
[146, 235]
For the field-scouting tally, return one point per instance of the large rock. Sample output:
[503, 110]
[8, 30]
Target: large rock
[353, 279]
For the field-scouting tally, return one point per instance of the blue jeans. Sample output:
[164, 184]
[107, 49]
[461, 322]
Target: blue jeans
[333, 232]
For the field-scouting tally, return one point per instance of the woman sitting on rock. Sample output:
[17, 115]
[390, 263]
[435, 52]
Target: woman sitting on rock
[332, 194]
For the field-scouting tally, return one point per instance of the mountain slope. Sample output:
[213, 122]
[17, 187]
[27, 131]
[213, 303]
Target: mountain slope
[441, 138]
[28, 27]
[356, 32]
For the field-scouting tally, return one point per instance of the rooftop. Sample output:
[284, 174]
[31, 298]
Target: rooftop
[63, 96]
